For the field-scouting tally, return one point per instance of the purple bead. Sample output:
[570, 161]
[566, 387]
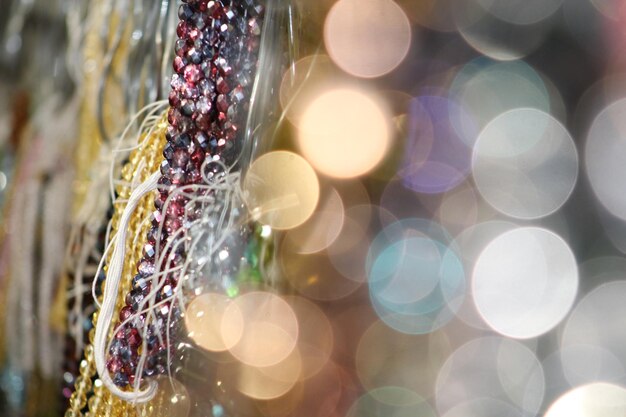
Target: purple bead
[114, 365]
[120, 379]
[192, 73]
[146, 268]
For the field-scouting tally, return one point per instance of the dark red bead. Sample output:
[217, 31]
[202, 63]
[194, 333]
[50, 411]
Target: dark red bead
[222, 103]
[179, 64]
[192, 73]
[182, 29]
[126, 313]
[134, 339]
[114, 365]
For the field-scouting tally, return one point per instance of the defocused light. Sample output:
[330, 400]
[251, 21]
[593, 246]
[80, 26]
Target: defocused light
[593, 400]
[592, 323]
[484, 407]
[322, 229]
[315, 339]
[367, 38]
[406, 271]
[281, 189]
[459, 209]
[270, 329]
[486, 88]
[350, 248]
[432, 14]
[491, 367]
[471, 243]
[391, 402]
[418, 290]
[204, 319]
[321, 394]
[525, 164]
[525, 282]
[400, 201]
[605, 157]
[521, 12]
[612, 9]
[344, 133]
[314, 276]
[304, 80]
[264, 383]
[596, 271]
[496, 38]
[583, 364]
[438, 157]
[388, 358]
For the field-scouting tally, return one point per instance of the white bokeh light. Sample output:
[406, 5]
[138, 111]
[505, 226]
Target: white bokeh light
[594, 327]
[491, 367]
[521, 12]
[525, 282]
[525, 163]
[594, 400]
[605, 157]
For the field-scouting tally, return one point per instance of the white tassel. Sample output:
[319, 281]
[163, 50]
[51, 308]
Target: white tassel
[111, 289]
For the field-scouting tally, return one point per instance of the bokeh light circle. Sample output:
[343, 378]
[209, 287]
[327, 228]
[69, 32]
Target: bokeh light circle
[385, 357]
[485, 89]
[367, 38]
[521, 12]
[494, 37]
[438, 156]
[491, 367]
[525, 164]
[592, 324]
[587, 363]
[416, 282]
[605, 157]
[322, 228]
[525, 282]
[204, 318]
[390, 402]
[281, 189]
[484, 407]
[594, 400]
[409, 269]
[344, 133]
[304, 80]
[268, 382]
[315, 336]
[270, 329]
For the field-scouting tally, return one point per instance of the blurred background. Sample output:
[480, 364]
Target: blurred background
[456, 245]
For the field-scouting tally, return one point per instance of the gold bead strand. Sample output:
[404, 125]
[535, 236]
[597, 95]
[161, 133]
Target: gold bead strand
[101, 402]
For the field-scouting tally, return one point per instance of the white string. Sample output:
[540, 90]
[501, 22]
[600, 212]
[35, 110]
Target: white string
[111, 288]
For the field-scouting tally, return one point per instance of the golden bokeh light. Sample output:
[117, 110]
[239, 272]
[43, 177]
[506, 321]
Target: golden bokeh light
[367, 38]
[322, 228]
[304, 80]
[314, 276]
[344, 133]
[282, 190]
[204, 319]
[270, 329]
[385, 357]
[315, 341]
[265, 383]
